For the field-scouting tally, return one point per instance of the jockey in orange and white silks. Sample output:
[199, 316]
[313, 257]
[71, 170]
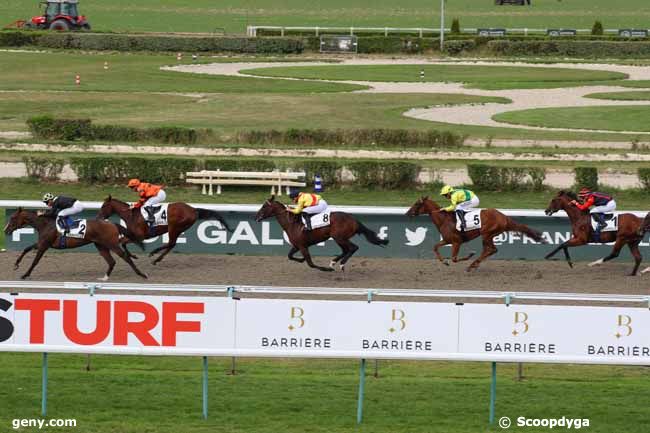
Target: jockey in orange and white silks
[150, 195]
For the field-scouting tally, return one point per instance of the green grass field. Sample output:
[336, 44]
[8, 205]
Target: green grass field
[622, 96]
[619, 118]
[234, 15]
[151, 394]
[475, 76]
[131, 93]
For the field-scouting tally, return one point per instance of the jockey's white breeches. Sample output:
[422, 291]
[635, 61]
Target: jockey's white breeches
[606, 208]
[156, 199]
[320, 207]
[76, 208]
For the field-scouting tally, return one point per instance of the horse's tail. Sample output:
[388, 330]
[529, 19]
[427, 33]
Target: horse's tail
[645, 225]
[124, 231]
[514, 226]
[370, 235]
[204, 214]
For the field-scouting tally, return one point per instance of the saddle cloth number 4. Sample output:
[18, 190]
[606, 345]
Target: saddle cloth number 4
[160, 217]
[472, 220]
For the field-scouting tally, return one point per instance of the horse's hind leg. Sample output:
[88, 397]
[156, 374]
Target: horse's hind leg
[167, 247]
[20, 257]
[120, 252]
[344, 251]
[110, 261]
[305, 253]
[351, 249]
[488, 249]
[634, 249]
[615, 252]
[129, 253]
[455, 248]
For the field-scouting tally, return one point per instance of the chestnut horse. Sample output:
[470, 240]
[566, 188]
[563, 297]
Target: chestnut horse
[180, 217]
[105, 235]
[493, 223]
[630, 231]
[342, 227]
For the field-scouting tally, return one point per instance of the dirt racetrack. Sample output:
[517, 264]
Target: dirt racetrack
[551, 276]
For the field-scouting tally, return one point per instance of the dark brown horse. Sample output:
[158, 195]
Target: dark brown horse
[342, 227]
[493, 223]
[105, 235]
[629, 232]
[180, 217]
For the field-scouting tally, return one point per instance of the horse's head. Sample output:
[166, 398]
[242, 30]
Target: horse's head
[106, 210]
[560, 202]
[423, 206]
[17, 220]
[268, 209]
[418, 207]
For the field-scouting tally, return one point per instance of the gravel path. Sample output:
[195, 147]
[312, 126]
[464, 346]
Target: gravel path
[474, 114]
[363, 272]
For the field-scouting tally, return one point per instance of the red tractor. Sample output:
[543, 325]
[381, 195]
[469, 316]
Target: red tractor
[61, 15]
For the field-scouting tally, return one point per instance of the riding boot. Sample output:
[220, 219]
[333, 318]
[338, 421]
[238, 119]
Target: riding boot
[63, 223]
[307, 218]
[460, 214]
[601, 222]
[151, 219]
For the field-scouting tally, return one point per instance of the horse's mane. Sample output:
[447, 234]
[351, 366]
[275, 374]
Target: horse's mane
[572, 195]
[117, 200]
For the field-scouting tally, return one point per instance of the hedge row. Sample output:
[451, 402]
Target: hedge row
[493, 178]
[126, 42]
[47, 127]
[353, 137]
[644, 178]
[569, 48]
[171, 170]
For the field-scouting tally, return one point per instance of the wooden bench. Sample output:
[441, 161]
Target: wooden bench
[276, 179]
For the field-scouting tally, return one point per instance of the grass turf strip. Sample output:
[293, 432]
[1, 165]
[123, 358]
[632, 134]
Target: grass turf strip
[163, 394]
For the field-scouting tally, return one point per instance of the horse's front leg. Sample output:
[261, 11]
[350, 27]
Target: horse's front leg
[305, 253]
[39, 254]
[292, 253]
[436, 251]
[25, 251]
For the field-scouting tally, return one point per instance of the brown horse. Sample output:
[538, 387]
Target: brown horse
[493, 223]
[105, 235]
[629, 232]
[180, 217]
[342, 227]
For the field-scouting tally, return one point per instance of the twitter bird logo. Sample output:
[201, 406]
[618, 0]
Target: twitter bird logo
[416, 237]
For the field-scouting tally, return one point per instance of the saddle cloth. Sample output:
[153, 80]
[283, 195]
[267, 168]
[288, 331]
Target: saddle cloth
[160, 214]
[319, 220]
[77, 229]
[610, 219]
[472, 221]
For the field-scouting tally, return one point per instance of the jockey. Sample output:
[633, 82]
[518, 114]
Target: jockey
[62, 208]
[462, 200]
[603, 203]
[307, 204]
[150, 195]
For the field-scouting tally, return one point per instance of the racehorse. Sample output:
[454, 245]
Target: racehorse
[180, 217]
[629, 232]
[105, 235]
[341, 228]
[493, 223]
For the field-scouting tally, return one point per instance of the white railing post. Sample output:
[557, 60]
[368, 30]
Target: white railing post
[210, 191]
[218, 184]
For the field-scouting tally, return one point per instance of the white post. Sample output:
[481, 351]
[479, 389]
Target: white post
[203, 186]
[385, 31]
[218, 185]
[282, 32]
[351, 31]
[316, 31]
[442, 25]
[210, 191]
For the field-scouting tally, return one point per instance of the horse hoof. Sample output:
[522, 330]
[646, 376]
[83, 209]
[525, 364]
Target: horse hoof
[571, 265]
[327, 269]
[133, 256]
[104, 278]
[596, 263]
[332, 264]
[24, 277]
[342, 268]
[151, 254]
[445, 262]
[15, 267]
[145, 276]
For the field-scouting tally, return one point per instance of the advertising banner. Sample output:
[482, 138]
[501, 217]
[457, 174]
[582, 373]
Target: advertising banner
[169, 325]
